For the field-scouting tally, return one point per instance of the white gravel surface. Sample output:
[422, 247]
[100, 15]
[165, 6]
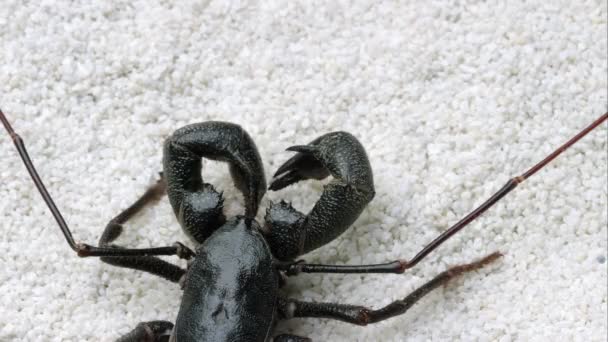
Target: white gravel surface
[450, 99]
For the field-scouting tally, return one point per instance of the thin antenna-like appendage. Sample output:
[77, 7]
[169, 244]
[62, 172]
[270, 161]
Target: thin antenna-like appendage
[399, 266]
[41, 188]
[511, 184]
[82, 249]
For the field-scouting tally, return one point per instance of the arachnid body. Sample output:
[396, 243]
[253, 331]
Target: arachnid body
[231, 287]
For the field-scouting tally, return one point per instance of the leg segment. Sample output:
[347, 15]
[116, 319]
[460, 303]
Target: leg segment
[153, 331]
[142, 263]
[152, 195]
[290, 338]
[197, 205]
[291, 233]
[297, 267]
[361, 315]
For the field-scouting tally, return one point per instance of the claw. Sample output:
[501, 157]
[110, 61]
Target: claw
[284, 181]
[290, 163]
[304, 165]
[338, 154]
[303, 148]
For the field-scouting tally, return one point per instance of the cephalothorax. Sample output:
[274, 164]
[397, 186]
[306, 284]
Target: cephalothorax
[231, 286]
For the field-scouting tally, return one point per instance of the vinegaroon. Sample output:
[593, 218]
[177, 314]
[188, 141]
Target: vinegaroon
[231, 285]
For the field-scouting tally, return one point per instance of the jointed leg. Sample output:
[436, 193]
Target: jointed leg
[290, 338]
[361, 315]
[82, 249]
[153, 331]
[148, 264]
[300, 266]
[152, 194]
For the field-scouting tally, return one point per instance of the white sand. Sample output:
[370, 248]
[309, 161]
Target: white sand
[450, 100]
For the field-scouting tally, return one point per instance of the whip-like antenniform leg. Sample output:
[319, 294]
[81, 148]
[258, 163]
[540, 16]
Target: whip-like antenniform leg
[399, 266]
[290, 233]
[84, 250]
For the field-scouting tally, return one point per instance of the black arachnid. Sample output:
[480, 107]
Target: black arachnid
[231, 288]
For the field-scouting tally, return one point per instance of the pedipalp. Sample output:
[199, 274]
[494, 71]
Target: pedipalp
[339, 154]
